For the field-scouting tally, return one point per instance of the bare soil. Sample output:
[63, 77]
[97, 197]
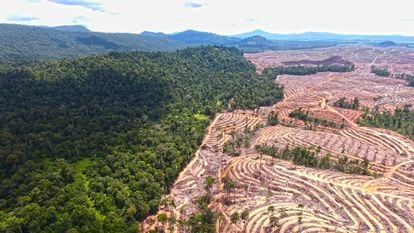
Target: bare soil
[307, 199]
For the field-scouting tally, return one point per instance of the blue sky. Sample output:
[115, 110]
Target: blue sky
[219, 16]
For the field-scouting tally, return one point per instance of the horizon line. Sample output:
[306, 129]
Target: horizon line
[229, 35]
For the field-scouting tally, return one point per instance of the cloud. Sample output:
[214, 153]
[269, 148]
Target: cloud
[21, 18]
[251, 20]
[95, 6]
[193, 5]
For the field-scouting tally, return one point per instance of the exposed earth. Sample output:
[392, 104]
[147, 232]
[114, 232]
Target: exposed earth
[308, 199]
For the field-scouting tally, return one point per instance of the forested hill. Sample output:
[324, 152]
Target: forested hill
[90, 145]
[23, 44]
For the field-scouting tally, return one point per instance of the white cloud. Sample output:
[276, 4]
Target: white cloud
[92, 5]
[220, 16]
[193, 5]
[21, 18]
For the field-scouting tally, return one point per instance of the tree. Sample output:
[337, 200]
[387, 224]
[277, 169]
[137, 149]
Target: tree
[355, 104]
[102, 138]
[234, 217]
[274, 222]
[245, 217]
[325, 162]
[209, 182]
[228, 184]
[162, 218]
[272, 118]
[343, 103]
[271, 209]
[380, 72]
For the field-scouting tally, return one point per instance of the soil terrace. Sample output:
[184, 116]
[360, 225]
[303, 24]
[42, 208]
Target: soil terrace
[307, 199]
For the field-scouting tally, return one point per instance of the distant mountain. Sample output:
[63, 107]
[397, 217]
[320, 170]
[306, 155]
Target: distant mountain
[72, 28]
[196, 37]
[260, 43]
[294, 36]
[22, 44]
[193, 37]
[256, 40]
[155, 34]
[326, 36]
[387, 44]
[257, 32]
[254, 43]
[19, 43]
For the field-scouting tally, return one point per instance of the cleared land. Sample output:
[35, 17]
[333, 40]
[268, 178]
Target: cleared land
[283, 197]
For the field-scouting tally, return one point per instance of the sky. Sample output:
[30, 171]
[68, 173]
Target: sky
[219, 16]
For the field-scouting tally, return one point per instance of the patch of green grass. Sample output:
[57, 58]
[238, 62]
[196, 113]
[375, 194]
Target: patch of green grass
[81, 180]
[201, 117]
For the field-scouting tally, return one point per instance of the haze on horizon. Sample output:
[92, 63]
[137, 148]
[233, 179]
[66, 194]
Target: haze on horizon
[219, 16]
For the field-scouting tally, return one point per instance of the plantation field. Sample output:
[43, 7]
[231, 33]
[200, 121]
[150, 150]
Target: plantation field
[278, 194]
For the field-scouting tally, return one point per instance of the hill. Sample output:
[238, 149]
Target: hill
[91, 144]
[386, 44]
[19, 43]
[326, 36]
[255, 43]
[257, 32]
[72, 28]
[198, 38]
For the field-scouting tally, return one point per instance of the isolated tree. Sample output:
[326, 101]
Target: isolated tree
[355, 104]
[228, 185]
[272, 118]
[172, 220]
[245, 217]
[274, 222]
[271, 209]
[234, 217]
[209, 182]
[162, 218]
[283, 213]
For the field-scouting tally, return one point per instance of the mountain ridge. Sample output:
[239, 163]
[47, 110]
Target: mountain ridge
[24, 43]
[314, 35]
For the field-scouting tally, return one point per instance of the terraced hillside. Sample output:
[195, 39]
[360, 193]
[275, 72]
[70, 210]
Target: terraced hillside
[281, 196]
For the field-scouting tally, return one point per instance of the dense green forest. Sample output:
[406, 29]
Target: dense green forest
[21, 44]
[27, 44]
[401, 120]
[90, 145]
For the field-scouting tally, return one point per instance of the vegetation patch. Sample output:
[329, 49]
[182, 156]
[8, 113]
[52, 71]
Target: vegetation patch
[201, 117]
[401, 120]
[310, 158]
[308, 70]
[303, 115]
[344, 103]
[91, 144]
[382, 72]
